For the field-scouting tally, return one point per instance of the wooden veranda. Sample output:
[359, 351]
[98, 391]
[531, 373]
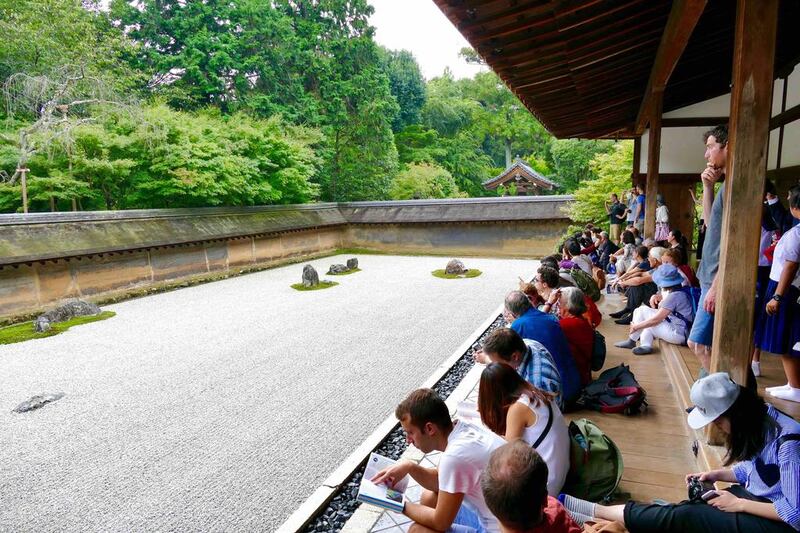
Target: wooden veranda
[636, 69]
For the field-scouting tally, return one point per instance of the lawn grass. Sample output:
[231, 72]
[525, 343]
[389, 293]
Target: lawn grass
[344, 273]
[24, 331]
[471, 273]
[322, 285]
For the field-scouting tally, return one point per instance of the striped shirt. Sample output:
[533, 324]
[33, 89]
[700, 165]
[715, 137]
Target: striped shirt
[774, 473]
[539, 369]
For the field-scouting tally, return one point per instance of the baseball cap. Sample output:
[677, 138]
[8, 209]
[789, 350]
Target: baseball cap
[712, 396]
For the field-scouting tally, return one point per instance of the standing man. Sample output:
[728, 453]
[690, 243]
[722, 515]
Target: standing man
[703, 327]
[638, 215]
[452, 499]
[616, 216]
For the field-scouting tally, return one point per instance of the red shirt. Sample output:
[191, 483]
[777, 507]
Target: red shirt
[556, 520]
[592, 313]
[580, 337]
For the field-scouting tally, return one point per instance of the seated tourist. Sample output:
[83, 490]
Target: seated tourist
[677, 241]
[605, 249]
[533, 324]
[548, 282]
[529, 289]
[452, 493]
[669, 319]
[637, 284]
[673, 256]
[515, 490]
[514, 409]
[578, 331]
[572, 255]
[762, 460]
[529, 358]
[624, 256]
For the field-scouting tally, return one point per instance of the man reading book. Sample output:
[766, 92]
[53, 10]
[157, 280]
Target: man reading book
[452, 500]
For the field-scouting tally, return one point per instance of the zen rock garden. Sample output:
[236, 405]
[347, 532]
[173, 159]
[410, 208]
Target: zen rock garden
[455, 269]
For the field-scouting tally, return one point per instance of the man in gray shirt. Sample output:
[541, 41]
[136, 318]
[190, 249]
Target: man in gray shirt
[716, 155]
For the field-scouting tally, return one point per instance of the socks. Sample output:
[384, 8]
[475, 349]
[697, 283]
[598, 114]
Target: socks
[576, 506]
[643, 350]
[779, 387]
[791, 394]
[579, 518]
[627, 343]
[756, 366]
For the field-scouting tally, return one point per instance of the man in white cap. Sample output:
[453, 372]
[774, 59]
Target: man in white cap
[763, 457]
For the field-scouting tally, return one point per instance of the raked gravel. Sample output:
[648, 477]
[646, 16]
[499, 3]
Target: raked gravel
[223, 406]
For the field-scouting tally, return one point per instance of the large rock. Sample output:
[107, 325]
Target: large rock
[352, 264]
[454, 266]
[310, 276]
[338, 269]
[62, 313]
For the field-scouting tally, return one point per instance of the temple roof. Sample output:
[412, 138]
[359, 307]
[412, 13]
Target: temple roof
[520, 166]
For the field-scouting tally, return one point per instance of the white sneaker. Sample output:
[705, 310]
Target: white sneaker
[779, 387]
[756, 366]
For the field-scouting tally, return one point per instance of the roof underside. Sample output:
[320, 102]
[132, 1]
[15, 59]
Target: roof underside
[582, 66]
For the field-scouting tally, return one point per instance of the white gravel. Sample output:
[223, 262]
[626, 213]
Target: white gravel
[223, 406]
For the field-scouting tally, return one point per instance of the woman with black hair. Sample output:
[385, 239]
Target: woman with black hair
[778, 329]
[516, 410]
[677, 240]
[763, 457]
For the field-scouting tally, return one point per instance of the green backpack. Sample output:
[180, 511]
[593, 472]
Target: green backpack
[595, 463]
[586, 283]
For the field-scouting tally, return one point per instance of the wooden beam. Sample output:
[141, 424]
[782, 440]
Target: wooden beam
[681, 23]
[637, 159]
[787, 116]
[780, 130]
[653, 159]
[751, 106]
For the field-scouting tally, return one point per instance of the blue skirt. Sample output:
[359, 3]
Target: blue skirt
[778, 333]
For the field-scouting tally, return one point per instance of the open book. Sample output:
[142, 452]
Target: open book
[387, 497]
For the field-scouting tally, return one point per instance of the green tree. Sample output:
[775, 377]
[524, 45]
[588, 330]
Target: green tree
[407, 86]
[571, 160]
[424, 180]
[613, 175]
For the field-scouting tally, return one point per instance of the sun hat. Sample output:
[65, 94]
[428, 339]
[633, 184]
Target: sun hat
[667, 276]
[712, 396]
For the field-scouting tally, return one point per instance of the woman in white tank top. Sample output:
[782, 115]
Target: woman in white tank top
[515, 409]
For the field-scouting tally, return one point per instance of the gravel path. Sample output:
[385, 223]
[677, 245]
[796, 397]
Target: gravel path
[222, 406]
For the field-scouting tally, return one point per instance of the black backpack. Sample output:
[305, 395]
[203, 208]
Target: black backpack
[614, 391]
[598, 351]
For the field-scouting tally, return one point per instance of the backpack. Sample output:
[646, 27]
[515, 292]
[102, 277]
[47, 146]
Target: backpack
[614, 391]
[598, 351]
[693, 295]
[595, 463]
[585, 282]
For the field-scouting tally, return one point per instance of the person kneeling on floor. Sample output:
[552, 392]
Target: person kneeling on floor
[763, 457]
[452, 500]
[514, 486]
[669, 318]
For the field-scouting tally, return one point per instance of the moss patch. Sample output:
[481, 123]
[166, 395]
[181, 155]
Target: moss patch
[23, 332]
[471, 273]
[345, 273]
[322, 285]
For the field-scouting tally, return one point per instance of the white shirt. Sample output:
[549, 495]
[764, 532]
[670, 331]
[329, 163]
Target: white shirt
[555, 447]
[788, 249]
[662, 214]
[462, 463]
[584, 263]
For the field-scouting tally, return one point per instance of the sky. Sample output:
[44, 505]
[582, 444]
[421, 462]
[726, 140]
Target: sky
[419, 26]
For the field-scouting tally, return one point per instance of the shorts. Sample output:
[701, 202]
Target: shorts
[467, 521]
[703, 326]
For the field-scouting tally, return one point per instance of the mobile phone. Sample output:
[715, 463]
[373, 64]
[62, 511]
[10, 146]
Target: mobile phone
[709, 495]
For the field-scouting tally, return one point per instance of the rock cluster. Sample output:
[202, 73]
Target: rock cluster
[310, 276]
[352, 264]
[455, 266]
[68, 311]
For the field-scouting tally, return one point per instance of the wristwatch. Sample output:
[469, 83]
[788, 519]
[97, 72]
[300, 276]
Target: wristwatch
[777, 297]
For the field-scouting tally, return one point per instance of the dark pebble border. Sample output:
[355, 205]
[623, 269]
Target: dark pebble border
[344, 503]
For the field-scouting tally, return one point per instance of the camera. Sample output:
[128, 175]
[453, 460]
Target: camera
[698, 489]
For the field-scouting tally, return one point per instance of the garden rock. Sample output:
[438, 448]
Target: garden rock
[352, 264]
[454, 266]
[338, 269]
[310, 276]
[38, 401]
[62, 313]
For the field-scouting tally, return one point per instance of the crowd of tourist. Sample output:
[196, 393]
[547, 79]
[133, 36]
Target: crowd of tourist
[505, 468]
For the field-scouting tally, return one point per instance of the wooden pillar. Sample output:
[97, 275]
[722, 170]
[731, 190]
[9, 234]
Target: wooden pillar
[653, 156]
[751, 103]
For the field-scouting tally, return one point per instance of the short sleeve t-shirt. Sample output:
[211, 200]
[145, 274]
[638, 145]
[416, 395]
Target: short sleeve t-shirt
[788, 249]
[710, 262]
[462, 462]
[644, 265]
[678, 301]
[615, 211]
[641, 201]
[631, 208]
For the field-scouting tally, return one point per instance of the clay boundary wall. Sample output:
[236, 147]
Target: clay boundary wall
[107, 256]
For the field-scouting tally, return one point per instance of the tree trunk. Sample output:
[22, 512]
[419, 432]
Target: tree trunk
[507, 143]
[52, 203]
[74, 204]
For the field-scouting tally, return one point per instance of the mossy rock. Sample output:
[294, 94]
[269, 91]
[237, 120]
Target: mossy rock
[24, 331]
[345, 273]
[320, 286]
[471, 273]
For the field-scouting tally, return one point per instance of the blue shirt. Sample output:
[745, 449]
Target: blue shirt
[641, 201]
[544, 328]
[539, 369]
[780, 467]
